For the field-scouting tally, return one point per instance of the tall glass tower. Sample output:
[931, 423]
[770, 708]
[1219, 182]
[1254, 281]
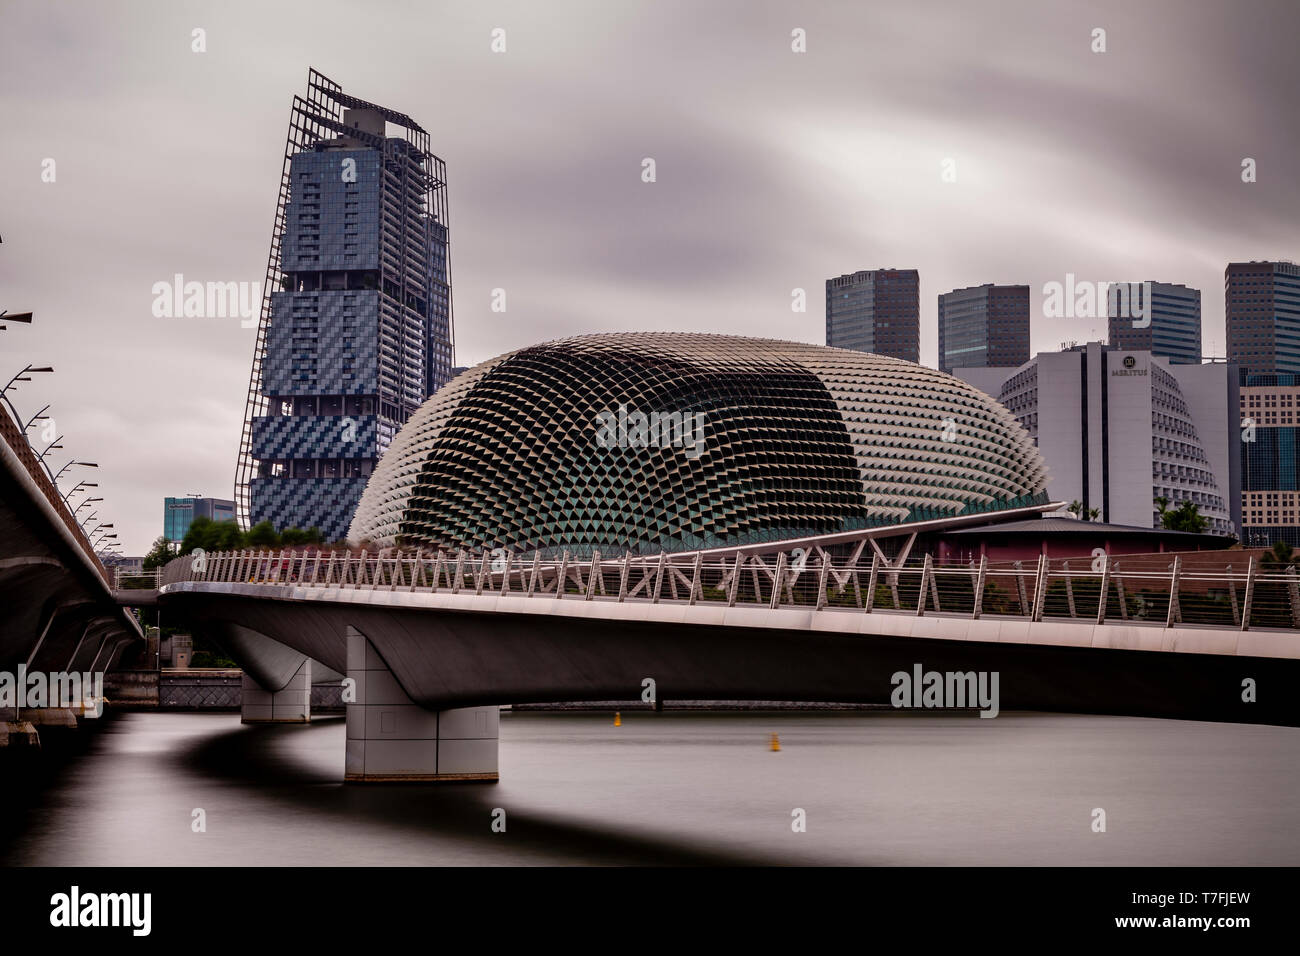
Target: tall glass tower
[1262, 315]
[356, 324]
[875, 310]
[1168, 326]
[984, 326]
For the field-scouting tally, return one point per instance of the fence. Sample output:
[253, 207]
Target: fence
[1094, 590]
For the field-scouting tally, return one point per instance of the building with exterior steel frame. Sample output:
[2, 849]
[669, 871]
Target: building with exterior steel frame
[667, 442]
[356, 324]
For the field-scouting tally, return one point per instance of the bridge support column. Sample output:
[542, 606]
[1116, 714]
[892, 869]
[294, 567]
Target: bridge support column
[290, 704]
[391, 738]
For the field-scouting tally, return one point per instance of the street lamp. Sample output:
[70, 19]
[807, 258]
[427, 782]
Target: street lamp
[86, 502]
[38, 417]
[24, 317]
[84, 464]
[31, 369]
[77, 487]
[49, 448]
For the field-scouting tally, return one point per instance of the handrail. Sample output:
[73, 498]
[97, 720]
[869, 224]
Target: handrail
[1096, 592]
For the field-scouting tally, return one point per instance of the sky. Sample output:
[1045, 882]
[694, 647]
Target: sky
[774, 170]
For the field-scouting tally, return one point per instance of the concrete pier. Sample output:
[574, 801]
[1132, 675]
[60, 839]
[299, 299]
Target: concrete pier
[391, 738]
[291, 704]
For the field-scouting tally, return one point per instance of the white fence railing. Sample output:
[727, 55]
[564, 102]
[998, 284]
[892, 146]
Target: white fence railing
[1097, 590]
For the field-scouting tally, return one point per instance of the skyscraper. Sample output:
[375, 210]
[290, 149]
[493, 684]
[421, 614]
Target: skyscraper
[1270, 459]
[356, 324]
[1262, 315]
[1169, 326]
[982, 326]
[877, 311]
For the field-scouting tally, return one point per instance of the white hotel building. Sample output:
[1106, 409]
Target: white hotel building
[1099, 410]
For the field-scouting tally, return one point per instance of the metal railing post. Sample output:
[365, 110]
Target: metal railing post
[537, 569]
[624, 573]
[695, 578]
[978, 607]
[870, 599]
[822, 580]
[1069, 588]
[1293, 594]
[1232, 596]
[733, 591]
[591, 576]
[1250, 594]
[1040, 588]
[1172, 615]
[560, 580]
[460, 572]
[776, 581]
[1105, 589]
[505, 576]
[927, 569]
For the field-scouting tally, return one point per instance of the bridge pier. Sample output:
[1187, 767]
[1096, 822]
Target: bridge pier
[291, 704]
[391, 738]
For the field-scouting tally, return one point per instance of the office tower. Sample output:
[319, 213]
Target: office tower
[878, 310]
[179, 514]
[1270, 459]
[982, 326]
[356, 326]
[1168, 326]
[1094, 411]
[1262, 315]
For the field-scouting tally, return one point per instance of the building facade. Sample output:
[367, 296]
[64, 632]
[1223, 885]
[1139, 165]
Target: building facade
[356, 330]
[1270, 459]
[1262, 316]
[1095, 411]
[785, 440]
[1157, 317]
[983, 326]
[179, 514]
[876, 310]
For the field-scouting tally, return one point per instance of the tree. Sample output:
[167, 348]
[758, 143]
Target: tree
[1186, 517]
[1280, 555]
[159, 554]
[1077, 509]
[262, 535]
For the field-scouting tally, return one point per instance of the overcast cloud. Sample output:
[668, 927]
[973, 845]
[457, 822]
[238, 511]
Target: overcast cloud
[775, 170]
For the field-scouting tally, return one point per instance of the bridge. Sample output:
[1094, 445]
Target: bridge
[432, 643]
[58, 614]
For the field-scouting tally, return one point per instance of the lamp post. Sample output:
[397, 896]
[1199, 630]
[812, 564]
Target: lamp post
[84, 464]
[24, 317]
[29, 370]
[77, 487]
[84, 503]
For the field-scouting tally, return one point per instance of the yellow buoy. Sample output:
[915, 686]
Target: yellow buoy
[618, 720]
[776, 742]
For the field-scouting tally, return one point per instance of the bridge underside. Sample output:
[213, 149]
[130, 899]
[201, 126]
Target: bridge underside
[478, 654]
[56, 611]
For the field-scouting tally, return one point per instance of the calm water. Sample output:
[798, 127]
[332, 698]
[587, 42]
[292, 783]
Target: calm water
[683, 788]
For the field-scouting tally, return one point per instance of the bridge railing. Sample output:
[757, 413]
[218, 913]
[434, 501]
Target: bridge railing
[1162, 590]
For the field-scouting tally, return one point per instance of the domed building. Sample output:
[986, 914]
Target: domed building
[669, 441]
